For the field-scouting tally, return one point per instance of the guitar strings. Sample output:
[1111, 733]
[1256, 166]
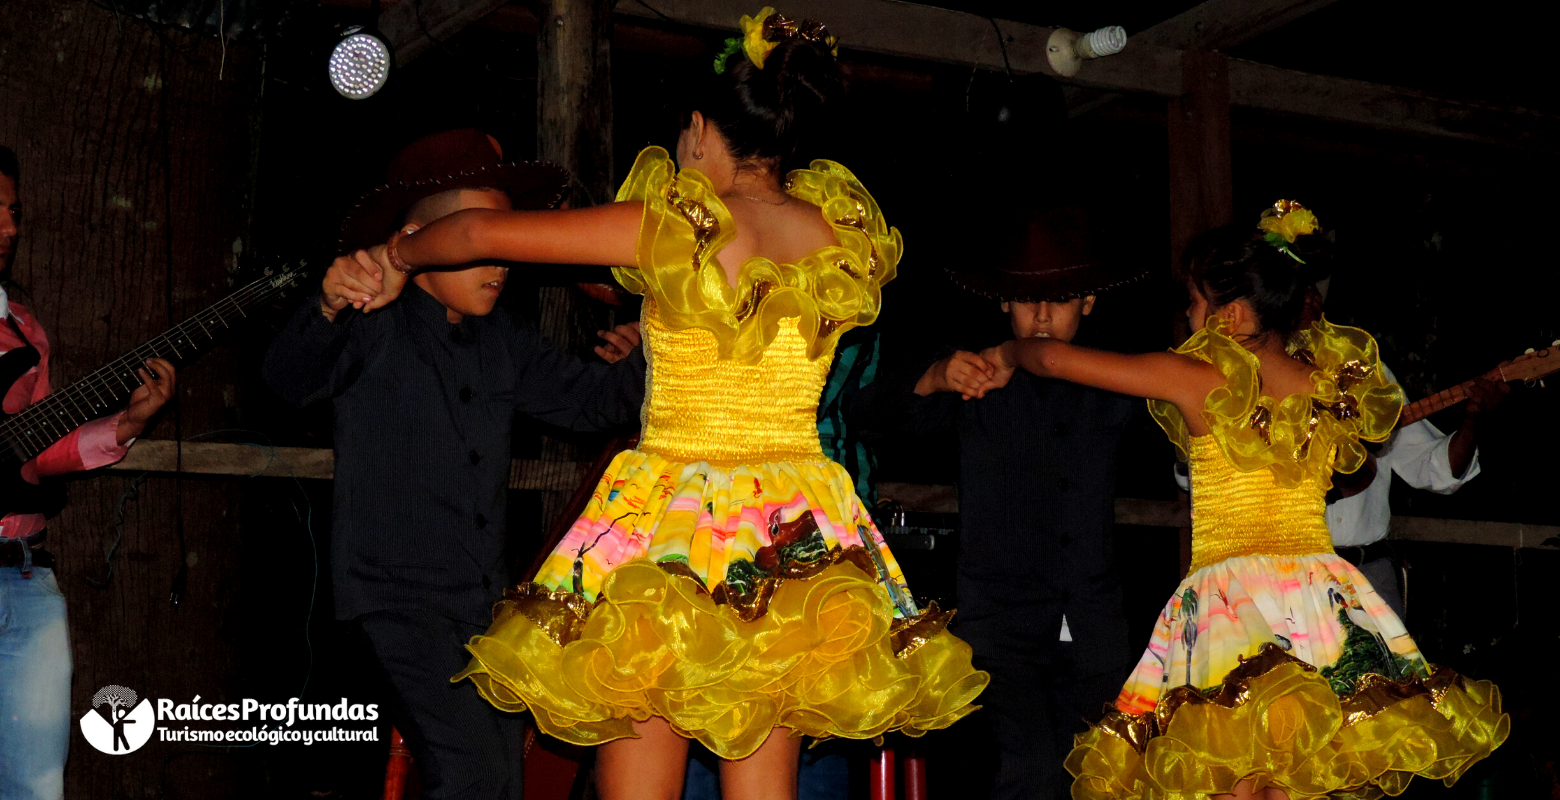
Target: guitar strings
[18, 430]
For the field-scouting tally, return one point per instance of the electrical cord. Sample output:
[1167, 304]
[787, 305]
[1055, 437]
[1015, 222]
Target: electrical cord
[656, 11]
[305, 517]
[1002, 43]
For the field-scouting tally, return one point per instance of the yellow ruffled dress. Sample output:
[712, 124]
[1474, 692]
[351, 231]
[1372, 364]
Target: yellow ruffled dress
[725, 576]
[1276, 660]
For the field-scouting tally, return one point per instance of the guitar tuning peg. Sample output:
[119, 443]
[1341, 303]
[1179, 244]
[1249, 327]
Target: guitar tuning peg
[1529, 351]
[268, 272]
[1555, 343]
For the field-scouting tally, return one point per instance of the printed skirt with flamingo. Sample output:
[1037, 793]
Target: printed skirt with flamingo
[1288, 671]
[728, 601]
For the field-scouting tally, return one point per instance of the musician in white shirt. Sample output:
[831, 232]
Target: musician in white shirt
[1425, 458]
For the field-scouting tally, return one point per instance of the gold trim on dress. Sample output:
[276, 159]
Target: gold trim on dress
[562, 615]
[1372, 694]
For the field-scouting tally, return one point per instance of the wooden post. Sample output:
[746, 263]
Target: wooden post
[574, 94]
[574, 130]
[1201, 186]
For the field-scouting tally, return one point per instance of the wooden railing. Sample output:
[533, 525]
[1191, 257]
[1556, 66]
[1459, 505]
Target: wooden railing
[310, 463]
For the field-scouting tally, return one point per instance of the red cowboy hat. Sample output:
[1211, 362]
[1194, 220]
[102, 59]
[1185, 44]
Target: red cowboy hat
[1039, 256]
[460, 159]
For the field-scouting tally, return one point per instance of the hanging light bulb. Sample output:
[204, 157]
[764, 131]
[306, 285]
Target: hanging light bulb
[360, 64]
[1066, 50]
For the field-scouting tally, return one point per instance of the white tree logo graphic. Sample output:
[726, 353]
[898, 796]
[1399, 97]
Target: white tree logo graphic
[120, 722]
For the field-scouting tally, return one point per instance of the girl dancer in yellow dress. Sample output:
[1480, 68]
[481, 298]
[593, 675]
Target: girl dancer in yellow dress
[725, 583]
[1275, 671]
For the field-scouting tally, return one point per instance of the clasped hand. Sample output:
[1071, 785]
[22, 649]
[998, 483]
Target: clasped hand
[363, 279]
[969, 374]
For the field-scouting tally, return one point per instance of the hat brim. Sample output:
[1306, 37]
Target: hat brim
[531, 186]
[1054, 285]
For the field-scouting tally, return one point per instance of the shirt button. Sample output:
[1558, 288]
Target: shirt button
[1064, 540]
[486, 582]
[1062, 484]
[474, 456]
[1059, 429]
[465, 394]
[481, 523]
[454, 334]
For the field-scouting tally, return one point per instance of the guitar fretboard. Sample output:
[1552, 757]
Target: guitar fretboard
[1446, 398]
[108, 389]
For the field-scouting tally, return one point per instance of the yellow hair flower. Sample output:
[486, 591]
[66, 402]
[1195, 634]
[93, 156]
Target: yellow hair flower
[1288, 219]
[753, 40]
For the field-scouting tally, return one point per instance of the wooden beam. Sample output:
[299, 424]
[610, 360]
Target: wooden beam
[312, 463]
[315, 463]
[1212, 25]
[910, 30]
[413, 27]
[928, 33]
[1220, 24]
[1464, 531]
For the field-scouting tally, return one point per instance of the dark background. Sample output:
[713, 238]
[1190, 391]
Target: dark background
[162, 166]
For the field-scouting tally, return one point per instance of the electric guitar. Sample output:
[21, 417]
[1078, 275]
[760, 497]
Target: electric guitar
[32, 430]
[1530, 366]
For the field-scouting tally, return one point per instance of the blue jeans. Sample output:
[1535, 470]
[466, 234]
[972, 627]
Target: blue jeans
[34, 686]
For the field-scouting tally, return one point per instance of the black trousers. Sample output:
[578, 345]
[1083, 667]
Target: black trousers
[463, 747]
[1042, 689]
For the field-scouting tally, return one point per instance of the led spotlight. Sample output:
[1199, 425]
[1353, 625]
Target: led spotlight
[360, 64]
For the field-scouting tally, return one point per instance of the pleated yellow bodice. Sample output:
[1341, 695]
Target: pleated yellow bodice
[1237, 513]
[700, 407]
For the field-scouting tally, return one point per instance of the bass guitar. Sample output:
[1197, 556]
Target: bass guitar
[32, 430]
[1529, 367]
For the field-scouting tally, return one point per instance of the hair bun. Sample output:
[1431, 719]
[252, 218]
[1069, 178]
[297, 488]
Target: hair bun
[768, 113]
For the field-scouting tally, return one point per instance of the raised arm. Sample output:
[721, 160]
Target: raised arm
[604, 235]
[1172, 377]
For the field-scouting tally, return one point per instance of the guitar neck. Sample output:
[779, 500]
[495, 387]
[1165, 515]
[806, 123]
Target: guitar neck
[1446, 398]
[108, 389]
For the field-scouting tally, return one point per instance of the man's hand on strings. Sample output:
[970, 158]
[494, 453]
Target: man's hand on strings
[155, 391]
[620, 341]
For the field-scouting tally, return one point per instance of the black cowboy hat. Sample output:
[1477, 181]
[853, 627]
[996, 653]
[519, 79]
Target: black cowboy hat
[459, 159]
[1044, 255]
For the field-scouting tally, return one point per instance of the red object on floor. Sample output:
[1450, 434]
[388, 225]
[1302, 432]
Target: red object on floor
[396, 768]
[881, 782]
[550, 771]
[915, 776]
[882, 774]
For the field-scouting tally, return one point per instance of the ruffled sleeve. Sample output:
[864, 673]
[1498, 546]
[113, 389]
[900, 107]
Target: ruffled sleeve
[1304, 435]
[685, 225]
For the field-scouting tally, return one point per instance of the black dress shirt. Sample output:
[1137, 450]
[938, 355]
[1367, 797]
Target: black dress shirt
[423, 410]
[1037, 471]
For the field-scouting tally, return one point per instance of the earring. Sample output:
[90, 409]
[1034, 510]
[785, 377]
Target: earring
[697, 154]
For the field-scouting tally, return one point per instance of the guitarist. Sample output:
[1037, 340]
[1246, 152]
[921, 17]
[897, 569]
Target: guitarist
[1422, 456]
[34, 643]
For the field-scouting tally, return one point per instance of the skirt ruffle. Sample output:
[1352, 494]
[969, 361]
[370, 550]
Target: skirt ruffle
[1278, 722]
[825, 659]
[1292, 672]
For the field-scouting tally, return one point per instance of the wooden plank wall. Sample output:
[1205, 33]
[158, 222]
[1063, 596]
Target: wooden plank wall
[134, 156]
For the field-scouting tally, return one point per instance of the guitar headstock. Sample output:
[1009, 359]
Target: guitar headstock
[286, 277]
[1532, 365]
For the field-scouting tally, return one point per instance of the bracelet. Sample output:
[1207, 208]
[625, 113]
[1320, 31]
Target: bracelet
[394, 256]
